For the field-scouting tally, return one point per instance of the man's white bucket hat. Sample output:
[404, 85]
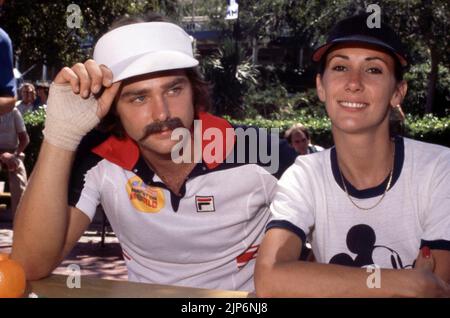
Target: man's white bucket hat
[142, 48]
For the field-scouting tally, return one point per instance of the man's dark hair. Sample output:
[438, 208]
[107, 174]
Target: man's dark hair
[296, 128]
[200, 87]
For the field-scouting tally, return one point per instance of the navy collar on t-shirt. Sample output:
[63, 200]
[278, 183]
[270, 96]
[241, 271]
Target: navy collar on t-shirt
[379, 189]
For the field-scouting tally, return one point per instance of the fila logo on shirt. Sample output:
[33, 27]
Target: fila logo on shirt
[205, 203]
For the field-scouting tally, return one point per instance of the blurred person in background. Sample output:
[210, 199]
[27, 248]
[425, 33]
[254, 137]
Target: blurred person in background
[28, 102]
[298, 137]
[7, 80]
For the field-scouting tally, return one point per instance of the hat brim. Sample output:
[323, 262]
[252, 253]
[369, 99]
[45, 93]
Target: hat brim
[151, 62]
[321, 50]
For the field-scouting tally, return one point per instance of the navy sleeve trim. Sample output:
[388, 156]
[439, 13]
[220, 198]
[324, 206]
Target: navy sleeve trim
[288, 226]
[436, 245]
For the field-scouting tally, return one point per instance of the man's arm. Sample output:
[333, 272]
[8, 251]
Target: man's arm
[7, 104]
[278, 273]
[12, 159]
[46, 227]
[24, 140]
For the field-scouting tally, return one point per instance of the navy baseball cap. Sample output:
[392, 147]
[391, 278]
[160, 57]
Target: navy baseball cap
[356, 30]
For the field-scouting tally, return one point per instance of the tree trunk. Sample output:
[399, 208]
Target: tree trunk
[432, 80]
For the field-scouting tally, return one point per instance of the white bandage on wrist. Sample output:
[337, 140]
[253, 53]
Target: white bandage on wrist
[69, 117]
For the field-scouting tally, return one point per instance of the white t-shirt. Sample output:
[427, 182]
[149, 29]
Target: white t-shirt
[310, 201]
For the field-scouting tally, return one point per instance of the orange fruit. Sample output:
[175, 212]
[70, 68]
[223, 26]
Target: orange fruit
[12, 278]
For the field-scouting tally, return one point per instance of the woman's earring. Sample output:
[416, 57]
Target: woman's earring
[396, 121]
[399, 110]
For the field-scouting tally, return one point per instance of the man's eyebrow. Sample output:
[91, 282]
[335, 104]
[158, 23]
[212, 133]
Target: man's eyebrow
[176, 81]
[145, 91]
[136, 92]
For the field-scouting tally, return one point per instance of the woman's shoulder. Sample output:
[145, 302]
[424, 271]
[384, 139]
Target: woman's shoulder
[425, 148]
[424, 156]
[313, 162]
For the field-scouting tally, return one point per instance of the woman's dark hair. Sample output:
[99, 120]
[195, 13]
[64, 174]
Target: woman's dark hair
[200, 87]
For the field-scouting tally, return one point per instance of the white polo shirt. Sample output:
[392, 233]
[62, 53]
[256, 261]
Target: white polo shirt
[208, 237]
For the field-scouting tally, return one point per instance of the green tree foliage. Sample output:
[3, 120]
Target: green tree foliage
[40, 32]
[230, 80]
[422, 24]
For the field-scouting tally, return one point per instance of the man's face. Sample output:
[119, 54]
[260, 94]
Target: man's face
[300, 142]
[151, 106]
[28, 95]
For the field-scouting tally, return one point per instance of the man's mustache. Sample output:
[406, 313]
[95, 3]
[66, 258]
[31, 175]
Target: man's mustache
[159, 126]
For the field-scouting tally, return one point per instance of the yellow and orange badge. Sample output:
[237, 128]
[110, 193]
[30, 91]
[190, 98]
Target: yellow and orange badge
[143, 197]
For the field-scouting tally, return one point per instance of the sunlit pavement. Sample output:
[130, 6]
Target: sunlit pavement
[93, 259]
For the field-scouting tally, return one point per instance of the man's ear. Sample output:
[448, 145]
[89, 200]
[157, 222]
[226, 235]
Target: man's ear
[399, 93]
[319, 88]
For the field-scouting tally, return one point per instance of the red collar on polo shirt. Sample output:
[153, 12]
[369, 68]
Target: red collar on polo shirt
[125, 152]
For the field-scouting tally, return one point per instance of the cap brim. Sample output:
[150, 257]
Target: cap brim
[321, 50]
[151, 62]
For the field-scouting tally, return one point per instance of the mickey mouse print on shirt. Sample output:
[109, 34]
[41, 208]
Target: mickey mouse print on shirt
[361, 241]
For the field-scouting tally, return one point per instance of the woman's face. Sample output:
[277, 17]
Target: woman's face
[358, 87]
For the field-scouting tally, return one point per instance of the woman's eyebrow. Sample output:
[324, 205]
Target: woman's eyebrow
[345, 57]
[371, 58]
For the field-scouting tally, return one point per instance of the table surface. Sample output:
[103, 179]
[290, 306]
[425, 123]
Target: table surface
[56, 286]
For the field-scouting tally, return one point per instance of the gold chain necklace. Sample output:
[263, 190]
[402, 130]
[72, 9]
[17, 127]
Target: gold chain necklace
[385, 190]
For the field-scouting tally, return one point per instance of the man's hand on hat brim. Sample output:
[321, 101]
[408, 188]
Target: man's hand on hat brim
[91, 78]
